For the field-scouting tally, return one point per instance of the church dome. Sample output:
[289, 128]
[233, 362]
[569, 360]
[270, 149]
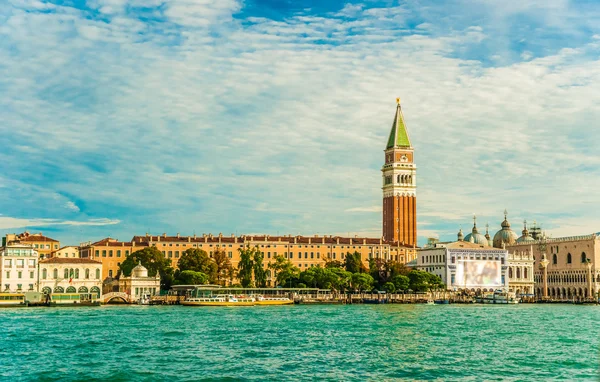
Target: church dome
[476, 237]
[461, 237]
[505, 236]
[526, 238]
[139, 271]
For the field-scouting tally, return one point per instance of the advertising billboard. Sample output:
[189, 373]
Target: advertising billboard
[478, 274]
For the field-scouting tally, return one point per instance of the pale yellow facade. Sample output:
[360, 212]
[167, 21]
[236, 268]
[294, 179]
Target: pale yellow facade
[68, 252]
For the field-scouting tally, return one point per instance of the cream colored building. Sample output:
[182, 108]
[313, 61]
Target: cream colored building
[521, 272]
[18, 267]
[70, 275]
[139, 283]
[68, 252]
[42, 244]
[110, 252]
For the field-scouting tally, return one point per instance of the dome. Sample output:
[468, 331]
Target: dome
[526, 238]
[476, 237]
[505, 236]
[461, 237]
[139, 271]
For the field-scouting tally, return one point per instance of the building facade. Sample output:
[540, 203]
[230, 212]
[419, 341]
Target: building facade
[521, 272]
[110, 252]
[303, 251]
[399, 186]
[139, 283]
[19, 268]
[466, 266]
[70, 275]
[42, 244]
[68, 252]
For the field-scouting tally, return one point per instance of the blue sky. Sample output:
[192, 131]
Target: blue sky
[125, 117]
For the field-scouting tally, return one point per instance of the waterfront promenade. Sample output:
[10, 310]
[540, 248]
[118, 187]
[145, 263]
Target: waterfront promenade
[534, 342]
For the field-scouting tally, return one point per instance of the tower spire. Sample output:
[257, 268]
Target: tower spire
[398, 134]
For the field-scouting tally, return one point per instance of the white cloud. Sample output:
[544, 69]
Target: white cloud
[72, 206]
[7, 222]
[202, 122]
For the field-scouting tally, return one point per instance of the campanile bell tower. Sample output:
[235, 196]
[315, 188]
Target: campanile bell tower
[399, 185]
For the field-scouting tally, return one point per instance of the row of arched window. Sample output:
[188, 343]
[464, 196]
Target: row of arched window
[70, 273]
[72, 289]
[584, 258]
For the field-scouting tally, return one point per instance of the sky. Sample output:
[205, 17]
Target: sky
[125, 117]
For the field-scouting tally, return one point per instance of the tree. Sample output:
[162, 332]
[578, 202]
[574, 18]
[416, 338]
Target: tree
[395, 268]
[154, 260]
[422, 281]
[224, 269]
[343, 279]
[197, 260]
[362, 281]
[246, 267]
[285, 271]
[191, 278]
[389, 287]
[401, 282]
[329, 263]
[377, 269]
[260, 275]
[353, 263]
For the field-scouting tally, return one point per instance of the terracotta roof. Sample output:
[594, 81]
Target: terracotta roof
[304, 240]
[110, 242]
[35, 238]
[62, 260]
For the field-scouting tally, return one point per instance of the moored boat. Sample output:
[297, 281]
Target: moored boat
[12, 300]
[498, 297]
[219, 300]
[273, 300]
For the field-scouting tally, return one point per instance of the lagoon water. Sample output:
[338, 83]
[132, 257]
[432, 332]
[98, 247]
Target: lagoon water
[353, 343]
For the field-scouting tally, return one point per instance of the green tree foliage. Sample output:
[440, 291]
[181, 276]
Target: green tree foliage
[362, 281]
[389, 287]
[224, 269]
[421, 281]
[191, 278]
[285, 271]
[329, 263]
[154, 260]
[197, 260]
[260, 275]
[401, 282]
[353, 263]
[246, 267]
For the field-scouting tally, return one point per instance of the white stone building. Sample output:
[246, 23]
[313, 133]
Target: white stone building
[70, 275]
[139, 283]
[520, 271]
[466, 266]
[18, 268]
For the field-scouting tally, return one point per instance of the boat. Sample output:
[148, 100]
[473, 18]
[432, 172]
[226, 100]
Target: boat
[12, 300]
[441, 302]
[273, 300]
[219, 300]
[144, 300]
[430, 302]
[499, 296]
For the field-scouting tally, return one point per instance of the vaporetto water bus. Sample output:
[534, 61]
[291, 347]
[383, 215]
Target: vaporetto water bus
[219, 300]
[215, 295]
[499, 296]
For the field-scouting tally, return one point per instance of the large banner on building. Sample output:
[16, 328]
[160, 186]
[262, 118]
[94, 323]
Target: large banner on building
[478, 274]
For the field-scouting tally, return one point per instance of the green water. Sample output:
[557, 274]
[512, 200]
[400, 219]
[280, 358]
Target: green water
[359, 343]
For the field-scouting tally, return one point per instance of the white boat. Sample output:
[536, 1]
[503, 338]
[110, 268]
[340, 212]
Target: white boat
[430, 302]
[499, 296]
[144, 300]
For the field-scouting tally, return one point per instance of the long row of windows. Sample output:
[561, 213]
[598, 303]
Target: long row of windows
[70, 273]
[19, 263]
[20, 274]
[19, 287]
[110, 253]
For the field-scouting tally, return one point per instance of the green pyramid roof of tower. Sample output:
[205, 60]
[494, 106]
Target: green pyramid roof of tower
[398, 135]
